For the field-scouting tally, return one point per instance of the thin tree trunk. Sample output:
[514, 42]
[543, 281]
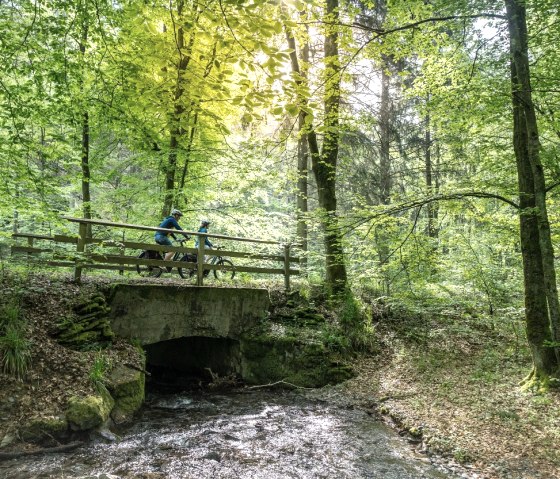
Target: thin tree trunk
[302, 145]
[195, 108]
[176, 128]
[86, 173]
[385, 179]
[541, 297]
[431, 207]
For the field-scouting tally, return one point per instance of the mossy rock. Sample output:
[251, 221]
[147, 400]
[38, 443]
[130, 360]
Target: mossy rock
[41, 428]
[267, 359]
[82, 339]
[126, 386]
[89, 412]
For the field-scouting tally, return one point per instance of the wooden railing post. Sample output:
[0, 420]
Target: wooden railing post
[30, 244]
[81, 247]
[200, 261]
[287, 267]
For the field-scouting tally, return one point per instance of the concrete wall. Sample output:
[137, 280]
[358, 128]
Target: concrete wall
[154, 313]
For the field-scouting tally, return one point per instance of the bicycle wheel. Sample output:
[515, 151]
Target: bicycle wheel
[145, 270]
[189, 269]
[224, 273]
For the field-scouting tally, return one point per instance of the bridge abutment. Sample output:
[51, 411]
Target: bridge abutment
[155, 313]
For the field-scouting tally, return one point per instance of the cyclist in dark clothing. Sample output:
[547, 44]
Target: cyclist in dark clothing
[162, 237]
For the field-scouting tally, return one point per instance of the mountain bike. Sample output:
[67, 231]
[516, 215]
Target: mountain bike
[221, 261]
[185, 271]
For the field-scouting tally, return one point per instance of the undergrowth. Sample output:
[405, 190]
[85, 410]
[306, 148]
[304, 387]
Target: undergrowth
[15, 348]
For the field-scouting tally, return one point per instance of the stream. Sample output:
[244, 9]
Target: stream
[256, 434]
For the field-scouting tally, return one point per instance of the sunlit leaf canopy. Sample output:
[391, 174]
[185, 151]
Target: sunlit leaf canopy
[217, 77]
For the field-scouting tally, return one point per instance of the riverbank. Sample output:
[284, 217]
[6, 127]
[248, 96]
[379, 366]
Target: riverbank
[450, 384]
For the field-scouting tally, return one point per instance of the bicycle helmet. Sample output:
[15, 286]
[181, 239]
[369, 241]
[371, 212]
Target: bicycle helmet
[204, 222]
[176, 212]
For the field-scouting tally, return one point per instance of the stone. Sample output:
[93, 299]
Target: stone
[41, 428]
[89, 412]
[7, 440]
[126, 386]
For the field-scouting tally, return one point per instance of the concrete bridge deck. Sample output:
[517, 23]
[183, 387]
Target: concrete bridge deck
[156, 313]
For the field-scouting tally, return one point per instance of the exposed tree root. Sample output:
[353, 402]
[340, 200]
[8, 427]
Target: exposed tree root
[4, 456]
[269, 385]
[539, 382]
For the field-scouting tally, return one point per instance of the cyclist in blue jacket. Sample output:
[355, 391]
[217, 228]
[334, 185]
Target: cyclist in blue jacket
[162, 237]
[204, 224]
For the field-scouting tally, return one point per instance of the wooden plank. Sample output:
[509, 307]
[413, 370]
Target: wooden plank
[31, 235]
[200, 261]
[166, 230]
[115, 259]
[140, 246]
[115, 265]
[66, 239]
[71, 264]
[156, 247]
[287, 267]
[241, 254]
[28, 249]
[250, 269]
[80, 248]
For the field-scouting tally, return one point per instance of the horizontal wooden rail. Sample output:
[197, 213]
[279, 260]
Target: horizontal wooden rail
[166, 230]
[81, 257]
[151, 246]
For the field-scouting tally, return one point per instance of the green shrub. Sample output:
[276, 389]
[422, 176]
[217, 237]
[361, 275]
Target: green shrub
[99, 368]
[10, 314]
[15, 351]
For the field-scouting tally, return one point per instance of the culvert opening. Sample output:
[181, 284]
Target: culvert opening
[190, 363]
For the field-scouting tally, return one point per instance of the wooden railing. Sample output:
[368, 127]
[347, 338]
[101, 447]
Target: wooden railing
[83, 257]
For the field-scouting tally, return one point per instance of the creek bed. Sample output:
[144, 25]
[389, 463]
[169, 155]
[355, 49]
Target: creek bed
[257, 434]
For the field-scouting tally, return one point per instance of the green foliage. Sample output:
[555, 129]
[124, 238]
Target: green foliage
[335, 339]
[15, 348]
[355, 323]
[99, 368]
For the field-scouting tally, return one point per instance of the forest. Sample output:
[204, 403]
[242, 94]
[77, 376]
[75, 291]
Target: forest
[409, 146]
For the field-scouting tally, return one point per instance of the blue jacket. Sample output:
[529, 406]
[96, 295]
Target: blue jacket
[206, 241]
[170, 222]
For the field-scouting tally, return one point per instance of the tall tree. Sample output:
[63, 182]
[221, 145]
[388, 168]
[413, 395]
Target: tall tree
[541, 295]
[324, 161]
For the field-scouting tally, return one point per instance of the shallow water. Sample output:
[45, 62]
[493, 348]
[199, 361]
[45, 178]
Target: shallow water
[257, 435]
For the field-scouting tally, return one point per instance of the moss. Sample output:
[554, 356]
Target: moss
[42, 428]
[89, 412]
[127, 388]
[267, 359]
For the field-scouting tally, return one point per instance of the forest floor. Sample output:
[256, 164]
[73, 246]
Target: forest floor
[448, 382]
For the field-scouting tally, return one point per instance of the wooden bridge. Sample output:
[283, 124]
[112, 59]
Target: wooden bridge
[103, 251]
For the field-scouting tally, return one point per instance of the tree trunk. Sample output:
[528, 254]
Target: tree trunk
[324, 164]
[541, 297]
[194, 107]
[84, 154]
[303, 169]
[302, 145]
[86, 174]
[431, 190]
[176, 122]
[385, 178]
